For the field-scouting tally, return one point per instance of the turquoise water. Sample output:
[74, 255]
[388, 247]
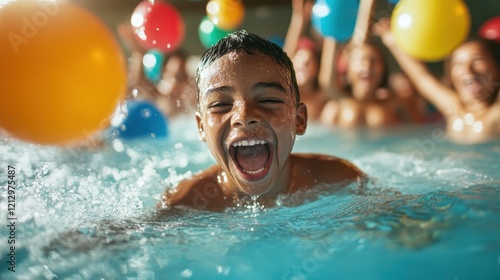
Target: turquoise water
[430, 211]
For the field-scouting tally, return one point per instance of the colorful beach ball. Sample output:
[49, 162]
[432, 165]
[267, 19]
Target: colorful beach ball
[63, 72]
[142, 119]
[430, 30]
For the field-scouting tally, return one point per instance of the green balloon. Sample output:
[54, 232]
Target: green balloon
[209, 33]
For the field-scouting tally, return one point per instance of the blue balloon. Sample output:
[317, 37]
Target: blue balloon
[152, 63]
[394, 2]
[278, 40]
[143, 119]
[335, 18]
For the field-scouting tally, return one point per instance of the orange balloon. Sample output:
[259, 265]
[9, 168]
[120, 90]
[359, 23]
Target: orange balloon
[226, 14]
[63, 72]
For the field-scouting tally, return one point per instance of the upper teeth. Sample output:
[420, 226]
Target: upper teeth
[249, 143]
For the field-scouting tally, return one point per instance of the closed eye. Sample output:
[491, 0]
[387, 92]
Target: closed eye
[271, 100]
[219, 106]
[272, 103]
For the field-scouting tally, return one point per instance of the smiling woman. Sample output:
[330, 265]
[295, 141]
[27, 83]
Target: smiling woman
[472, 105]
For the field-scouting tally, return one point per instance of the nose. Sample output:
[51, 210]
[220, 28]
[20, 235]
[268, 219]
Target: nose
[364, 64]
[465, 67]
[244, 115]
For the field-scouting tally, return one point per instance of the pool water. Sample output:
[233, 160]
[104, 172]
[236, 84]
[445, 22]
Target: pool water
[430, 211]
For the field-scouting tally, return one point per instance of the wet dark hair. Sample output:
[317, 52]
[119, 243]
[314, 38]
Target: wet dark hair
[493, 47]
[249, 43]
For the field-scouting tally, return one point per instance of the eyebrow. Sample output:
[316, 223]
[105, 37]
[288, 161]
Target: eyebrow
[222, 89]
[264, 85]
[257, 86]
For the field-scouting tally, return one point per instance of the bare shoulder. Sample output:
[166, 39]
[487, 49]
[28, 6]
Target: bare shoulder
[329, 112]
[495, 108]
[202, 191]
[322, 168]
[493, 118]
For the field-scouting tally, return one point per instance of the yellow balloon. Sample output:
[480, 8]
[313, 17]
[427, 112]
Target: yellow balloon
[430, 29]
[226, 14]
[62, 72]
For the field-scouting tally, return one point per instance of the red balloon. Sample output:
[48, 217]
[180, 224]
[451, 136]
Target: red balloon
[491, 29]
[158, 25]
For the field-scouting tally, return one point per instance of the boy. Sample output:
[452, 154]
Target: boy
[249, 112]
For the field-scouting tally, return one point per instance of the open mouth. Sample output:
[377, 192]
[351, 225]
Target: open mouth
[472, 84]
[252, 157]
[365, 77]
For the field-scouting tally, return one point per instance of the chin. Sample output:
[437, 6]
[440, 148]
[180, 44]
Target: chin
[474, 97]
[255, 190]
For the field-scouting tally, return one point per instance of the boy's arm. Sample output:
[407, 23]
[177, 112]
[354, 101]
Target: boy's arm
[202, 192]
[427, 85]
[313, 169]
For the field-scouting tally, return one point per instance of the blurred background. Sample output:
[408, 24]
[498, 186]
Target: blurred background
[264, 17]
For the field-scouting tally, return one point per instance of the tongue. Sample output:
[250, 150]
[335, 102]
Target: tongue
[252, 158]
[474, 87]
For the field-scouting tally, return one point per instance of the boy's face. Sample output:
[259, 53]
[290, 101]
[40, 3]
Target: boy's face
[249, 118]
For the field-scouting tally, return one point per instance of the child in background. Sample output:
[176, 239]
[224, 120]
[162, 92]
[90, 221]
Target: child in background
[176, 89]
[305, 55]
[365, 99]
[411, 102]
[175, 94]
[249, 113]
[471, 105]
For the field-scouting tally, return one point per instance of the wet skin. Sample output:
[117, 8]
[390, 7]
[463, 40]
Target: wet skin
[306, 67]
[365, 72]
[474, 74]
[475, 77]
[362, 106]
[249, 118]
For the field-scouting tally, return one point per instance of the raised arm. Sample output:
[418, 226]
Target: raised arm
[327, 76]
[445, 100]
[301, 16]
[363, 22]
[331, 49]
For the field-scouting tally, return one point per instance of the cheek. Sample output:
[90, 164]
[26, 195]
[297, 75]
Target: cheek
[283, 123]
[455, 74]
[380, 69]
[313, 68]
[211, 122]
[483, 67]
[350, 74]
[212, 131]
[353, 67]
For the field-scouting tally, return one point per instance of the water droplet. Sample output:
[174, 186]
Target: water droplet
[187, 273]
[146, 113]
